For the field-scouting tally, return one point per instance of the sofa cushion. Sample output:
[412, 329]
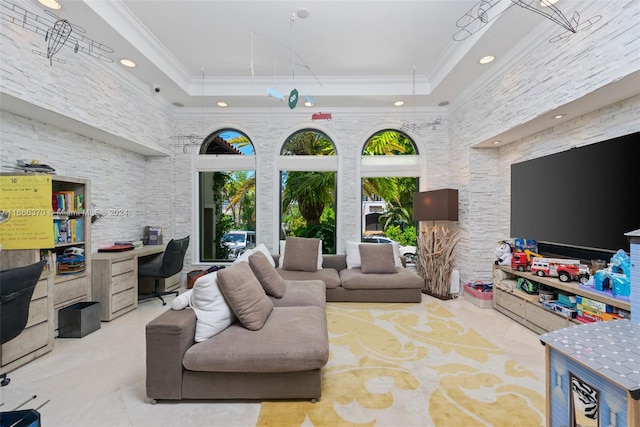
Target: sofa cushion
[377, 259]
[266, 274]
[292, 339]
[352, 250]
[353, 278]
[299, 293]
[304, 250]
[245, 295]
[329, 276]
[260, 248]
[181, 301]
[213, 313]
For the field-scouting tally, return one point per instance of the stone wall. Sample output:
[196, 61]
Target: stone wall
[162, 191]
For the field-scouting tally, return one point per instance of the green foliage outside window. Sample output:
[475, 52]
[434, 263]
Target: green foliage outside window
[406, 237]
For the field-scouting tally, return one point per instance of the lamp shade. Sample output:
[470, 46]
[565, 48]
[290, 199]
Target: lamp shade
[436, 205]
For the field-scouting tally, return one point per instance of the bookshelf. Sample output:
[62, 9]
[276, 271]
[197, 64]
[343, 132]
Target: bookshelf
[57, 287]
[70, 258]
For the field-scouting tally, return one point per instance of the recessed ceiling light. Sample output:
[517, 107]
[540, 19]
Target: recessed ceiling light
[558, 116]
[51, 4]
[127, 63]
[222, 104]
[303, 13]
[398, 103]
[486, 59]
[496, 142]
[443, 103]
[178, 104]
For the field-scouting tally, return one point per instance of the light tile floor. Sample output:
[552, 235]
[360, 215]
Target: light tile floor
[99, 380]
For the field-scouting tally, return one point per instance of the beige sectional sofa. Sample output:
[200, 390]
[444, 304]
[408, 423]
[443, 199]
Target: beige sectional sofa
[282, 359]
[352, 285]
[254, 331]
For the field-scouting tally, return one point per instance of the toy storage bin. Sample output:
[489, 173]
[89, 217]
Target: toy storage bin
[477, 297]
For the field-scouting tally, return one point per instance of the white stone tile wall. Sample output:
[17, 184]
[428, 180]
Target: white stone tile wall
[115, 174]
[160, 191]
[542, 77]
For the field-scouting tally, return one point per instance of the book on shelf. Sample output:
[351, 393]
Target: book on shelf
[68, 230]
[49, 256]
[67, 202]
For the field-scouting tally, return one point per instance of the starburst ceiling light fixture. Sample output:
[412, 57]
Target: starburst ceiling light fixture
[56, 31]
[486, 11]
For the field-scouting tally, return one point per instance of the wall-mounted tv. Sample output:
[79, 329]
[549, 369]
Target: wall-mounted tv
[583, 198]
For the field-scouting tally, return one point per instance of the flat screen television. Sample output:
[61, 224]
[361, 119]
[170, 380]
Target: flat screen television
[579, 202]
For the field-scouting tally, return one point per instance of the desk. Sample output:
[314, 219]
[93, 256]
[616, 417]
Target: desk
[114, 279]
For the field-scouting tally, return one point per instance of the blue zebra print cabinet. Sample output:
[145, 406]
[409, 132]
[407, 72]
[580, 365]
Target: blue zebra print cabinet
[593, 369]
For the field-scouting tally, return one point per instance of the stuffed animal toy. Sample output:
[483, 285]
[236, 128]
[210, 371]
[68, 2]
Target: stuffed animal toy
[503, 253]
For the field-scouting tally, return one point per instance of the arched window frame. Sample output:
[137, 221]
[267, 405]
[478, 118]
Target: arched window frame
[216, 163]
[372, 166]
[381, 166]
[308, 163]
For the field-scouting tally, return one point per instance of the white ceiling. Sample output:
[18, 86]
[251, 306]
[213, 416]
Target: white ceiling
[347, 53]
[344, 54]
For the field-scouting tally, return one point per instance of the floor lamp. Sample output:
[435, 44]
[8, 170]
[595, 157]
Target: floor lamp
[434, 260]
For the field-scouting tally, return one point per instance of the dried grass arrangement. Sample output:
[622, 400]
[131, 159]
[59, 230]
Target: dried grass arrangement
[434, 260]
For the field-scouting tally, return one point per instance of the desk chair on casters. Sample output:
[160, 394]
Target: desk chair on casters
[164, 265]
[16, 289]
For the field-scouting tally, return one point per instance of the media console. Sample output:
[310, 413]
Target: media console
[526, 309]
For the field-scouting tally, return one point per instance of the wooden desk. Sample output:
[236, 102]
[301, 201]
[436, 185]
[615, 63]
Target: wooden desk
[114, 279]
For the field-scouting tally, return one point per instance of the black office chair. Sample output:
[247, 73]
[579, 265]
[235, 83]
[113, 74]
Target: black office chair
[164, 265]
[16, 290]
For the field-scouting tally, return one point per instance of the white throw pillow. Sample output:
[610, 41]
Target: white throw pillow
[283, 244]
[352, 250]
[181, 301]
[212, 310]
[260, 248]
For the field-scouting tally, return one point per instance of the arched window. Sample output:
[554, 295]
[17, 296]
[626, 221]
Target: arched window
[308, 167]
[226, 188]
[390, 167]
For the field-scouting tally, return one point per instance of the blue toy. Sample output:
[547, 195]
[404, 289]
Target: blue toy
[616, 277]
[522, 244]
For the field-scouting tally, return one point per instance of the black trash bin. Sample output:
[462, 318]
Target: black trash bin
[79, 319]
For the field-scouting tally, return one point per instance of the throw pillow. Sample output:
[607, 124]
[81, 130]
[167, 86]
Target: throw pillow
[352, 250]
[302, 254]
[377, 258]
[267, 275]
[260, 248]
[181, 301]
[245, 295]
[213, 313]
[283, 247]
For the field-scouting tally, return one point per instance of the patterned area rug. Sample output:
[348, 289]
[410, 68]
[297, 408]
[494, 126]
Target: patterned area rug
[412, 365]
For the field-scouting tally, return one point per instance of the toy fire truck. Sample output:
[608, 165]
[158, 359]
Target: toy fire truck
[565, 269]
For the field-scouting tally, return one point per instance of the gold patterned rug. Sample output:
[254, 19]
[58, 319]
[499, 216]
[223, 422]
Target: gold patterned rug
[412, 365]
